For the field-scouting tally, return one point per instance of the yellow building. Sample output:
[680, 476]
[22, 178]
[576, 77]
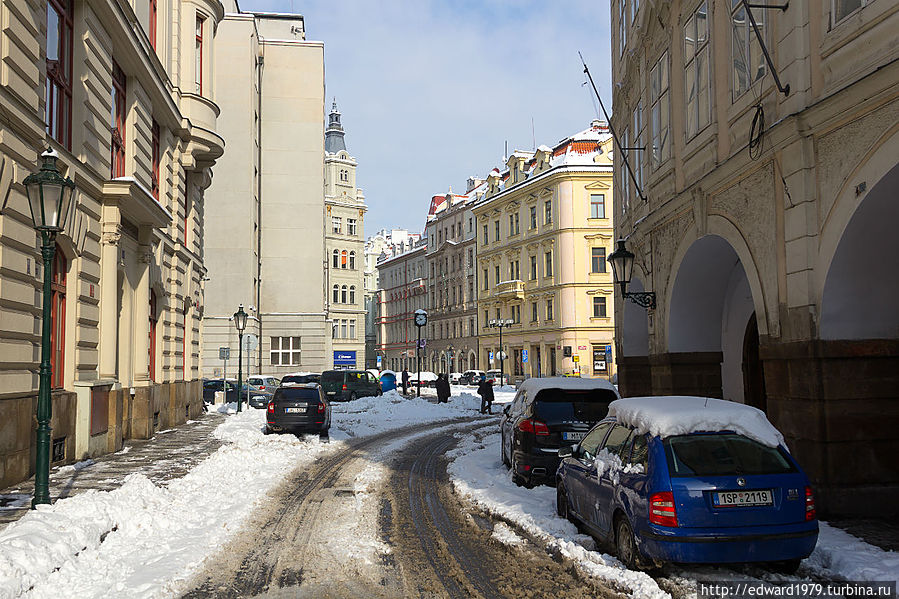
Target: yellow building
[544, 229]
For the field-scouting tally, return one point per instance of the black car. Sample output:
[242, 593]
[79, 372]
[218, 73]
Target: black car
[349, 385]
[298, 409]
[212, 385]
[546, 414]
[259, 399]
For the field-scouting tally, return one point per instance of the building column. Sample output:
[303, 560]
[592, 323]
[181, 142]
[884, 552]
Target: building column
[109, 305]
[634, 376]
[686, 373]
[141, 340]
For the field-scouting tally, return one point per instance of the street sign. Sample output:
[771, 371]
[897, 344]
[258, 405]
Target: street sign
[379, 362]
[422, 343]
[576, 358]
[491, 356]
[250, 342]
[524, 355]
[502, 355]
[224, 353]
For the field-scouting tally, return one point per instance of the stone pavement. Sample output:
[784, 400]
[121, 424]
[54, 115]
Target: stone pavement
[169, 454]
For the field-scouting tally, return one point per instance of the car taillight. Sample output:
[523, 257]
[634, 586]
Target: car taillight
[321, 407]
[533, 426]
[344, 387]
[810, 512]
[271, 407]
[662, 510]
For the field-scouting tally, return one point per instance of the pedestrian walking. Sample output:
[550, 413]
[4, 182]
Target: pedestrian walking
[485, 390]
[405, 381]
[443, 388]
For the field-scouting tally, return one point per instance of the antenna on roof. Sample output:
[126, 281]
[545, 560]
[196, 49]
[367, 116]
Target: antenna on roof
[505, 151]
[533, 134]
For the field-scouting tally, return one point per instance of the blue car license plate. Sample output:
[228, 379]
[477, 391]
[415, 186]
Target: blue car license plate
[295, 410]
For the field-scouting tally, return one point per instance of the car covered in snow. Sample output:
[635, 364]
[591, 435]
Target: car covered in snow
[471, 377]
[428, 378]
[546, 414]
[301, 378]
[495, 376]
[455, 378]
[689, 480]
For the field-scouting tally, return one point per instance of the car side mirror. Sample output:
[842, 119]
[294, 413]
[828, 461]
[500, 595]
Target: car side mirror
[566, 451]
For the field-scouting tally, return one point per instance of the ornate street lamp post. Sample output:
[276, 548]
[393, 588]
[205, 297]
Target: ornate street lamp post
[499, 324]
[240, 323]
[49, 198]
[622, 262]
[421, 321]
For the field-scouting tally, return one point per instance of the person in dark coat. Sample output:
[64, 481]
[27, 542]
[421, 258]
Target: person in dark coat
[443, 388]
[485, 390]
[405, 380]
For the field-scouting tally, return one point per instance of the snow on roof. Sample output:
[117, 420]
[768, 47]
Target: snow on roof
[673, 415]
[543, 148]
[533, 385]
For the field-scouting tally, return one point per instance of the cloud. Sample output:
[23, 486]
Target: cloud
[430, 91]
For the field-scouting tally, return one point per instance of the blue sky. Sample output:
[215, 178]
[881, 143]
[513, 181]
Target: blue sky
[430, 90]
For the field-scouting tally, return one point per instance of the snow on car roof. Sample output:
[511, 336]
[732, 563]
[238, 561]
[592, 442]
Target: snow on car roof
[533, 385]
[680, 415]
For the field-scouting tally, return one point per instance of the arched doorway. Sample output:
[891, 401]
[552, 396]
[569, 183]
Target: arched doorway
[753, 370]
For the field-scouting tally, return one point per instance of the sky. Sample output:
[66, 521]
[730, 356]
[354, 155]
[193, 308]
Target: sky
[430, 91]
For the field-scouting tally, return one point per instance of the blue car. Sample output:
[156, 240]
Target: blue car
[691, 481]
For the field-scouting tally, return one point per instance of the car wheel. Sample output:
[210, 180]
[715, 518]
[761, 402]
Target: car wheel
[353, 396]
[518, 479]
[786, 567]
[625, 545]
[502, 452]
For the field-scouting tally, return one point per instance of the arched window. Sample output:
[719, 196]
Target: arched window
[343, 259]
[336, 294]
[343, 294]
[153, 319]
[352, 260]
[58, 319]
[352, 294]
[335, 259]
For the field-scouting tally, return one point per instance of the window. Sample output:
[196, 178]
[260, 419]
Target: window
[343, 297]
[351, 226]
[514, 224]
[496, 274]
[152, 32]
[470, 225]
[154, 174]
[58, 91]
[533, 213]
[498, 314]
[696, 59]
[624, 179]
[352, 329]
[343, 257]
[635, 7]
[659, 108]
[285, 351]
[843, 8]
[533, 276]
[547, 212]
[496, 230]
[486, 281]
[617, 439]
[533, 311]
[599, 307]
[486, 317]
[549, 309]
[486, 238]
[352, 294]
[622, 26]
[117, 124]
[198, 52]
[470, 257]
[335, 259]
[58, 318]
[516, 313]
[637, 155]
[746, 52]
[336, 224]
[548, 264]
[597, 205]
[152, 346]
[343, 328]
[597, 259]
[352, 260]
[336, 294]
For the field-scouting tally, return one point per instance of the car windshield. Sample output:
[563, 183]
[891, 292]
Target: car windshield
[296, 393]
[559, 405]
[722, 454]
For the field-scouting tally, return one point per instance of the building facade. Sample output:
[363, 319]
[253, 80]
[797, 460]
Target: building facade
[452, 283]
[402, 289]
[125, 94]
[766, 223]
[265, 238]
[344, 216]
[543, 233]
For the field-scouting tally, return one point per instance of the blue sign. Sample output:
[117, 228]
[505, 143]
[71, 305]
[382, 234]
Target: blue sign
[379, 362]
[344, 358]
[609, 354]
[491, 356]
[524, 355]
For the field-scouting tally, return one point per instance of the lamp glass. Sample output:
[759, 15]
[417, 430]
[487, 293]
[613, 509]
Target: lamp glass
[49, 194]
[622, 262]
[240, 319]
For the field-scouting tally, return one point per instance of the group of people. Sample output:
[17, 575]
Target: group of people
[485, 390]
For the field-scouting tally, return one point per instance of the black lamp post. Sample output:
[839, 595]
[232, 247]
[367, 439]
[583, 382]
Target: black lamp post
[49, 198]
[500, 323]
[240, 323]
[622, 269]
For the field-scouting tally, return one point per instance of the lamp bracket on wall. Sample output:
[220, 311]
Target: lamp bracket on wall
[784, 89]
[644, 299]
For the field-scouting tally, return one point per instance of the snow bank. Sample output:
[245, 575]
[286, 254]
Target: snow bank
[849, 558]
[669, 416]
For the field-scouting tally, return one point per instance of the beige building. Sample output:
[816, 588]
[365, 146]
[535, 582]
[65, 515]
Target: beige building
[402, 289]
[452, 283]
[125, 94]
[344, 247]
[264, 239]
[543, 233]
[772, 249]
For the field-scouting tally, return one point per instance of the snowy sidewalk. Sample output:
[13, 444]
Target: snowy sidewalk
[168, 454]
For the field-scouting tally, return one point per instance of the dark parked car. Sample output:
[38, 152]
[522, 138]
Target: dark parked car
[347, 385]
[693, 490]
[212, 385]
[308, 377]
[298, 409]
[259, 399]
[546, 414]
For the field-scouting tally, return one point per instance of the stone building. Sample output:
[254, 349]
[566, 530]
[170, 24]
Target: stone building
[125, 94]
[543, 233]
[265, 237]
[452, 286]
[344, 248]
[402, 289]
[766, 226]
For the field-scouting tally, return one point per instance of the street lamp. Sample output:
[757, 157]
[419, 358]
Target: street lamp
[49, 198]
[499, 323]
[622, 269]
[240, 323]
[421, 321]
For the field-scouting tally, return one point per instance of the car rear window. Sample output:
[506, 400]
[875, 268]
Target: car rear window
[304, 378]
[332, 376]
[296, 393]
[723, 454]
[556, 405]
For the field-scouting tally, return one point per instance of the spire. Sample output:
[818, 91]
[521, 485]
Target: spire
[334, 133]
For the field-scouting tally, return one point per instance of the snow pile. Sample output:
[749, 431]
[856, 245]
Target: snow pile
[841, 554]
[669, 416]
[505, 535]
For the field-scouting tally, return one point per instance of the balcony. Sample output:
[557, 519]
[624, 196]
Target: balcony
[509, 290]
